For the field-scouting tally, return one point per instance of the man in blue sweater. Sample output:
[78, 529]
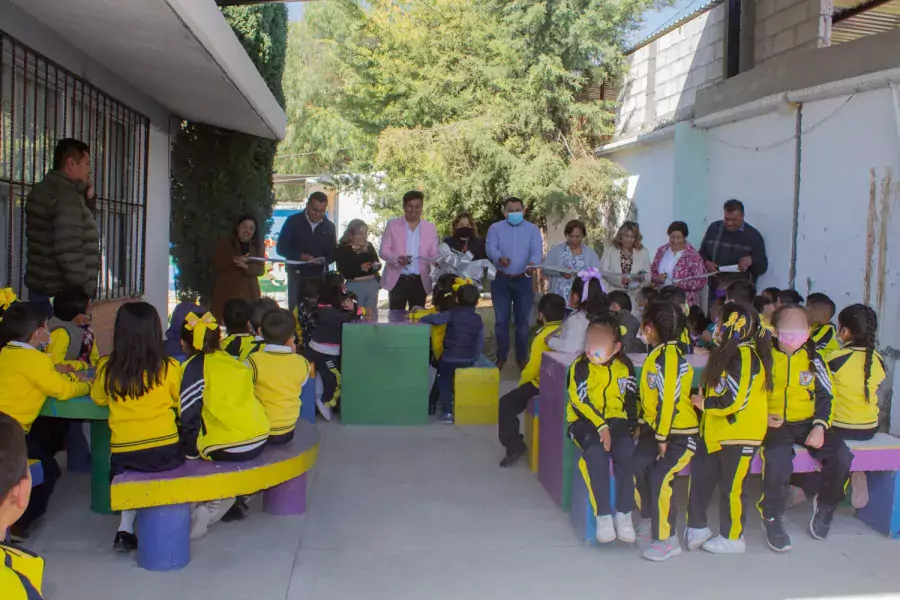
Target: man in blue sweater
[310, 237]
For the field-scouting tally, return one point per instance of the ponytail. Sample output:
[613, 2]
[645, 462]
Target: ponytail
[862, 323]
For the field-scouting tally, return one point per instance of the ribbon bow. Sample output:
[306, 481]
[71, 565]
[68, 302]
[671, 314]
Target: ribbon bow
[736, 324]
[461, 281]
[199, 325]
[586, 275]
[7, 297]
[764, 328]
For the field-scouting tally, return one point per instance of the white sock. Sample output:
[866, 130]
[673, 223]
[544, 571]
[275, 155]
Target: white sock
[126, 521]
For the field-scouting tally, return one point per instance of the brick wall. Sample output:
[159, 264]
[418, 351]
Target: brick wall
[103, 319]
[785, 26]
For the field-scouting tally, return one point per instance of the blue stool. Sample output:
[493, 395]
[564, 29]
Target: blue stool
[582, 514]
[165, 534]
[308, 401]
[78, 453]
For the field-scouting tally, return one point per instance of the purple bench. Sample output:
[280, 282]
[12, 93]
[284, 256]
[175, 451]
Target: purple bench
[163, 500]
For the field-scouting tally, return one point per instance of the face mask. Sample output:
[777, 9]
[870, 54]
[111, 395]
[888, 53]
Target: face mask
[464, 233]
[791, 340]
[515, 218]
[643, 338]
[597, 356]
[43, 345]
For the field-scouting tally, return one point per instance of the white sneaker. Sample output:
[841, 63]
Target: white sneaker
[720, 545]
[625, 528]
[859, 494]
[606, 532]
[644, 535]
[200, 518]
[660, 551]
[324, 409]
[694, 538]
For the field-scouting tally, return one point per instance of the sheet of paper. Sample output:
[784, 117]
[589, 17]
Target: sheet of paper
[729, 269]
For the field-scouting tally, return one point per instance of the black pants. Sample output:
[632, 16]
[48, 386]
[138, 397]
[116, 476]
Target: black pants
[328, 366]
[594, 464]
[654, 478]
[812, 482]
[225, 456]
[150, 460]
[512, 405]
[728, 468]
[408, 292]
[778, 465]
[40, 494]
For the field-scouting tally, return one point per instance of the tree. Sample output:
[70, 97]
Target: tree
[218, 174]
[475, 101]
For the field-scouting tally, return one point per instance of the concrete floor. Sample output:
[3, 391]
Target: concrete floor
[424, 513]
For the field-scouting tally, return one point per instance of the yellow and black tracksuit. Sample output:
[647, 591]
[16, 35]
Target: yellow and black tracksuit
[27, 378]
[855, 417]
[514, 403]
[603, 397]
[826, 339]
[278, 378]
[21, 574]
[436, 350]
[241, 345]
[221, 418]
[669, 418]
[802, 398]
[684, 342]
[732, 427]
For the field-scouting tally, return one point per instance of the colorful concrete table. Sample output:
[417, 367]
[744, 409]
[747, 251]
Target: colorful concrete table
[83, 408]
[384, 371]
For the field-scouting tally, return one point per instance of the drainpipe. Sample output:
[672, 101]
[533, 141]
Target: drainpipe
[795, 226]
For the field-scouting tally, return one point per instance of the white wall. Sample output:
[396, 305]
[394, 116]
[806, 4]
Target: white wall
[159, 218]
[650, 187]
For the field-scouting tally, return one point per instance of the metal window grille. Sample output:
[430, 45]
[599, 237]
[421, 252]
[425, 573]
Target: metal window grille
[41, 103]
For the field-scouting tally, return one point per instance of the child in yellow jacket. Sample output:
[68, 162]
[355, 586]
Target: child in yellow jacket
[72, 345]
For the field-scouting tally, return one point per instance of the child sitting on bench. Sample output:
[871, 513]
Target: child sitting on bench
[72, 345]
[551, 309]
[239, 342]
[821, 310]
[21, 572]
[221, 419]
[141, 387]
[28, 378]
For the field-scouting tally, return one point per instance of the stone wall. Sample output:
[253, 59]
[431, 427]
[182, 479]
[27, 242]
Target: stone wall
[784, 26]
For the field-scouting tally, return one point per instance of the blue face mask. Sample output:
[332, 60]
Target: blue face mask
[515, 218]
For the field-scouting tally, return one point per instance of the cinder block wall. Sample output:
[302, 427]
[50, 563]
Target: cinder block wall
[785, 26]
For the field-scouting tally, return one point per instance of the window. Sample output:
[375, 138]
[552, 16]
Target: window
[41, 103]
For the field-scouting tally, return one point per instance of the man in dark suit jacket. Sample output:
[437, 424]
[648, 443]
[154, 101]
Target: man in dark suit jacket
[308, 236]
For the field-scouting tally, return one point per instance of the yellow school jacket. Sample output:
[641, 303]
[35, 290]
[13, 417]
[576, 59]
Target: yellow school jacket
[684, 342]
[58, 349]
[27, 378]
[826, 339]
[437, 331]
[666, 379]
[21, 574]
[278, 378]
[851, 410]
[735, 409]
[801, 388]
[219, 408]
[241, 345]
[599, 393]
[149, 421]
[532, 371]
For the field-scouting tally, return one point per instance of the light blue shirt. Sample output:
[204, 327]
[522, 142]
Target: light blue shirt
[521, 244]
[412, 248]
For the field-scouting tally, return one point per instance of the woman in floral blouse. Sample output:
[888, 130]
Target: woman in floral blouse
[679, 263]
[573, 255]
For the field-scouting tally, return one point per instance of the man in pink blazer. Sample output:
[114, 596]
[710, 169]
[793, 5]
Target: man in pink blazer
[407, 247]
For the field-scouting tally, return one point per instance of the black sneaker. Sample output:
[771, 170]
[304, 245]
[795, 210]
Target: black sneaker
[511, 457]
[776, 536]
[125, 542]
[820, 523]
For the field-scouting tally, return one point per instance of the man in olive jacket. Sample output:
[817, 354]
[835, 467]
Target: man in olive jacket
[63, 241]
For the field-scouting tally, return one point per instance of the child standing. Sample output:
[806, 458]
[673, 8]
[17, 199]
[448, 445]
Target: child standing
[141, 387]
[601, 413]
[278, 375]
[71, 338]
[800, 412]
[551, 309]
[821, 310]
[221, 420]
[733, 400]
[239, 342]
[589, 301]
[305, 312]
[463, 342]
[325, 344]
[668, 430]
[21, 572]
[443, 299]
[620, 306]
[28, 378]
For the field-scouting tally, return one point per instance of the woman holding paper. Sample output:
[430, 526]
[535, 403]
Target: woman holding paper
[625, 263]
[679, 263]
[237, 275]
[567, 258]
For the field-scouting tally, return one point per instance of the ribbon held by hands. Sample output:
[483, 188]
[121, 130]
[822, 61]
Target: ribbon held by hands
[200, 325]
[586, 275]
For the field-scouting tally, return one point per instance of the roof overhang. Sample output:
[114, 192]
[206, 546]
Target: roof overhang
[181, 53]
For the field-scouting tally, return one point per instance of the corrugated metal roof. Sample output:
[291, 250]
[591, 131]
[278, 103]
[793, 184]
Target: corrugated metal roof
[672, 25]
[863, 19]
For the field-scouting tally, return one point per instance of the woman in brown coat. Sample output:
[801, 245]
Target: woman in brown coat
[236, 276]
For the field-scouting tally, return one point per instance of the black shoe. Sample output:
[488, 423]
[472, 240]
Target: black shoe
[776, 536]
[237, 512]
[125, 542]
[18, 534]
[820, 523]
[511, 457]
[432, 409]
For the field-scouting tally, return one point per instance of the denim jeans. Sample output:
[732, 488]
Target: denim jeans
[512, 297]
